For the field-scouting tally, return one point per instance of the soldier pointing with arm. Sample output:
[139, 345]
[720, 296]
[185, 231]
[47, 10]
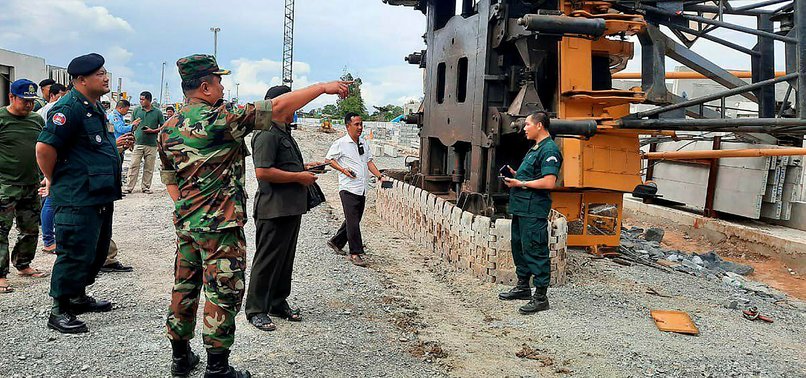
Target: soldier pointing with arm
[202, 151]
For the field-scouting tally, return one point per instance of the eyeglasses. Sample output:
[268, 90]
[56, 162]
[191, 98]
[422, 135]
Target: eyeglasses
[360, 148]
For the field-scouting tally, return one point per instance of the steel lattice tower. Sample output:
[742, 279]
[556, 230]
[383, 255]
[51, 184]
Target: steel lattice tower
[288, 43]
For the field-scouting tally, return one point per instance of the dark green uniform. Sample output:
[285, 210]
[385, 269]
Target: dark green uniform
[19, 181]
[530, 210]
[85, 183]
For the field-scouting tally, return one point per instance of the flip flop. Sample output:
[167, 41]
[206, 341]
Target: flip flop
[35, 274]
[6, 289]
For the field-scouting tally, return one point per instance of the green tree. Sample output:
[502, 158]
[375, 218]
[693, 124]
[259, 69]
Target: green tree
[330, 110]
[386, 113]
[354, 102]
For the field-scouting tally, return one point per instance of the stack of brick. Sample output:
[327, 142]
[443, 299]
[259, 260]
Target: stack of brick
[471, 243]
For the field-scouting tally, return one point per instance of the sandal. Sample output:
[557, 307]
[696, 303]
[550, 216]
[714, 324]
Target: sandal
[287, 313]
[262, 322]
[6, 289]
[49, 250]
[36, 273]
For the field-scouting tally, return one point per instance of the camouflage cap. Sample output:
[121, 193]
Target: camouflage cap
[198, 66]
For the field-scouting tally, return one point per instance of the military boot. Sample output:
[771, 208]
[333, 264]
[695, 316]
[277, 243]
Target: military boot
[218, 367]
[184, 360]
[539, 302]
[62, 320]
[520, 291]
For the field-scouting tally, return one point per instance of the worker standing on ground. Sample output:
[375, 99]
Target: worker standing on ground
[19, 181]
[202, 151]
[529, 205]
[44, 86]
[351, 156]
[145, 147]
[280, 201]
[77, 154]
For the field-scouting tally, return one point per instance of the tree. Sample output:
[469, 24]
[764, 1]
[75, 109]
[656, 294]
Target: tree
[330, 110]
[354, 102]
[386, 113]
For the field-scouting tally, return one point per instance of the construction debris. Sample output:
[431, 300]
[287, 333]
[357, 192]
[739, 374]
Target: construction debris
[674, 321]
[753, 313]
[637, 247]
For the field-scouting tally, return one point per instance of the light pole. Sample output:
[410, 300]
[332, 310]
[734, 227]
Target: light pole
[162, 82]
[237, 97]
[215, 31]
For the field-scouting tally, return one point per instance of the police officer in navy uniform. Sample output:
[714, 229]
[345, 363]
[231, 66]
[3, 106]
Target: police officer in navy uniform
[77, 154]
[529, 205]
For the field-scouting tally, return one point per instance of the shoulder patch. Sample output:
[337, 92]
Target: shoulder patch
[59, 119]
[552, 158]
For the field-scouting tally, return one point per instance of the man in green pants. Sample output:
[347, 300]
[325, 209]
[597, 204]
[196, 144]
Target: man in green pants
[19, 181]
[202, 151]
[529, 205]
[79, 159]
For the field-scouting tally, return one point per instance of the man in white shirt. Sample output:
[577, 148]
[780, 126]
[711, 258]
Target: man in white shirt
[56, 92]
[351, 156]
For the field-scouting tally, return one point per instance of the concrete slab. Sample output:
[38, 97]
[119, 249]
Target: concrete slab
[783, 243]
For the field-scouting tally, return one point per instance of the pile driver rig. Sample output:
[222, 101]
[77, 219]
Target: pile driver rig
[489, 63]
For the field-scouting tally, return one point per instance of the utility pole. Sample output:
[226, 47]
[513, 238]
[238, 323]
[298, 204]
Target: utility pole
[162, 82]
[288, 43]
[215, 31]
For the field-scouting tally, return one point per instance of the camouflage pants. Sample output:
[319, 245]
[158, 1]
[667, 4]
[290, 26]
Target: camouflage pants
[20, 203]
[215, 261]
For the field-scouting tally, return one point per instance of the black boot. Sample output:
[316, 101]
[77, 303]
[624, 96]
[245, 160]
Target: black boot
[520, 291]
[539, 302]
[184, 360]
[63, 321]
[218, 367]
[85, 303]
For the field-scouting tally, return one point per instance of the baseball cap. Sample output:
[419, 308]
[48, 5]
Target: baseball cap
[24, 88]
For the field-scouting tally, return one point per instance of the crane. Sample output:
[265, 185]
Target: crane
[288, 43]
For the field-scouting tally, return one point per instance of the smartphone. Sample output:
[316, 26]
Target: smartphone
[505, 171]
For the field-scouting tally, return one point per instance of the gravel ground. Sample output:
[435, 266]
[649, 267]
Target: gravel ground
[407, 315]
[345, 332]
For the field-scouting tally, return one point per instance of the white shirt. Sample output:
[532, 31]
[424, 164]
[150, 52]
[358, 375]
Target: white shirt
[345, 152]
[43, 112]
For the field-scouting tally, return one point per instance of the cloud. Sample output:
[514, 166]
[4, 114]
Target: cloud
[392, 85]
[79, 21]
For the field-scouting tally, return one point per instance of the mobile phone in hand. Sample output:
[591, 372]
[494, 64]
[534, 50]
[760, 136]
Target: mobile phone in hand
[505, 171]
[318, 167]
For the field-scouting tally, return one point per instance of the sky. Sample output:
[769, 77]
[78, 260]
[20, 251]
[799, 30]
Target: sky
[366, 37]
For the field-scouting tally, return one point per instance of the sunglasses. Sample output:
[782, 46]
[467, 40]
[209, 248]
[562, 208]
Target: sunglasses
[360, 148]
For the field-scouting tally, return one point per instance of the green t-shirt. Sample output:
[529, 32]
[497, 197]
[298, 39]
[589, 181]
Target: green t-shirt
[152, 119]
[18, 153]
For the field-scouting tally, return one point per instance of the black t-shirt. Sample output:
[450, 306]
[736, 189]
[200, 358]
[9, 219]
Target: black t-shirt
[276, 148]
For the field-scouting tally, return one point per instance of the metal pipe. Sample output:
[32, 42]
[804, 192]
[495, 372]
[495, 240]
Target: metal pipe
[720, 24]
[759, 5]
[716, 96]
[705, 35]
[697, 124]
[685, 75]
[714, 9]
[594, 27]
[719, 154]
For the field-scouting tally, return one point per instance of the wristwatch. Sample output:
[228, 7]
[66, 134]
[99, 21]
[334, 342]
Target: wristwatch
[523, 185]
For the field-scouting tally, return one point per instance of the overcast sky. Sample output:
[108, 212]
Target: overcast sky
[366, 37]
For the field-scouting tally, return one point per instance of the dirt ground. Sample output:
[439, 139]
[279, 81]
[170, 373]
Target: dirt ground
[406, 315]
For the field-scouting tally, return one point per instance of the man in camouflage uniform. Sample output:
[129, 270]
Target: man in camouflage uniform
[19, 179]
[202, 151]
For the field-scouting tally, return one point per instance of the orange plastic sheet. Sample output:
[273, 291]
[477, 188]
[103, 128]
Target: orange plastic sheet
[674, 321]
